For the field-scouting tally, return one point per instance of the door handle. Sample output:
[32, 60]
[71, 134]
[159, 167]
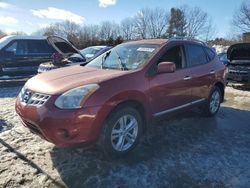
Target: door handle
[187, 78]
[212, 72]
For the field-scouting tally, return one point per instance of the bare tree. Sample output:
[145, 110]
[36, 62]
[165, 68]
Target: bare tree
[198, 23]
[108, 30]
[67, 29]
[127, 28]
[157, 22]
[147, 23]
[241, 19]
[209, 31]
[150, 23]
[140, 23]
[71, 31]
[52, 29]
[89, 35]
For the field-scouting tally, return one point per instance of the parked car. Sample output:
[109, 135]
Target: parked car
[85, 56]
[94, 51]
[68, 53]
[20, 56]
[238, 69]
[112, 100]
[223, 58]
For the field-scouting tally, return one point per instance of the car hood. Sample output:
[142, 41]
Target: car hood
[63, 46]
[60, 80]
[239, 51]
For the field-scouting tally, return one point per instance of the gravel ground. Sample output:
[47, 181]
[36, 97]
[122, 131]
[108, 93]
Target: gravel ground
[186, 151]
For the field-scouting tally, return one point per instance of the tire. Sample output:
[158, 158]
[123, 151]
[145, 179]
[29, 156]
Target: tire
[121, 132]
[212, 104]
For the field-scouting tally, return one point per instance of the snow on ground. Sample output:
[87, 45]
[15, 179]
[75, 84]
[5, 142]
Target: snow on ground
[220, 48]
[187, 151]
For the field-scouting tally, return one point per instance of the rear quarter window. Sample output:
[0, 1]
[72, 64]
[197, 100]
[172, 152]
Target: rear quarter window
[210, 53]
[39, 47]
[196, 55]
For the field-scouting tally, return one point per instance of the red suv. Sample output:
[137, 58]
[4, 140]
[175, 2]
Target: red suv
[112, 99]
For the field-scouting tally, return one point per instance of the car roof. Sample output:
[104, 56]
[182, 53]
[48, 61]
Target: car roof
[164, 41]
[5, 40]
[148, 41]
[98, 46]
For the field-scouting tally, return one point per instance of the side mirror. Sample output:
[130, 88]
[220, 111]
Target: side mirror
[166, 67]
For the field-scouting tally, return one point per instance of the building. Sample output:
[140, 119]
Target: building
[246, 37]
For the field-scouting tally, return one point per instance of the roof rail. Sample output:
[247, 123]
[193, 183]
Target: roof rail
[188, 38]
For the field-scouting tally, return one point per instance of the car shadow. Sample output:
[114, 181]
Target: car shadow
[164, 148]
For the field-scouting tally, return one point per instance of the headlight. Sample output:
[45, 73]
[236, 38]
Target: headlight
[74, 98]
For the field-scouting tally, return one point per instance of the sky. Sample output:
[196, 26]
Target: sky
[30, 15]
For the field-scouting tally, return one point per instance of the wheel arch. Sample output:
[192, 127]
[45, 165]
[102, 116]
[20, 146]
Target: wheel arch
[135, 104]
[221, 86]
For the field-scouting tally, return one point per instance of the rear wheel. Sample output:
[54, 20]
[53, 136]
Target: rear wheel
[212, 105]
[121, 132]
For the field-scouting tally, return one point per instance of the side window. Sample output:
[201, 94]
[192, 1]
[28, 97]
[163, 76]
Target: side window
[12, 48]
[210, 53]
[196, 55]
[39, 47]
[18, 47]
[175, 55]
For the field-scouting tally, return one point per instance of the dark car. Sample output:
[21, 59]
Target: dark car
[113, 99]
[238, 69]
[20, 56]
[85, 56]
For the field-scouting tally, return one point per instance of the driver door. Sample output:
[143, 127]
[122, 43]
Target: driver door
[171, 91]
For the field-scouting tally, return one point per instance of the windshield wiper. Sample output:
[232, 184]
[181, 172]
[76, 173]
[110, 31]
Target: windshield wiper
[105, 57]
[122, 65]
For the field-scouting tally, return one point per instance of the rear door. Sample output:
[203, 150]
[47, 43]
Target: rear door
[22, 57]
[171, 91]
[201, 62]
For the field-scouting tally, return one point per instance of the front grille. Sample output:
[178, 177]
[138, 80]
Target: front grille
[32, 98]
[238, 72]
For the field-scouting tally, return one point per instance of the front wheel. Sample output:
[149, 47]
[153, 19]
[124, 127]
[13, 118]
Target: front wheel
[121, 132]
[212, 104]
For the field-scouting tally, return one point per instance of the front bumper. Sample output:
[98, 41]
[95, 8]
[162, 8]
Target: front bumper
[64, 128]
[238, 76]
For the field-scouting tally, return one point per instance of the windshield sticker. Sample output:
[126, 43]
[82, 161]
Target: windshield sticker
[145, 49]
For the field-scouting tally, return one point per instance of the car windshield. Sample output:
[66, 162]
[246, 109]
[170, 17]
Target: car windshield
[124, 57]
[91, 51]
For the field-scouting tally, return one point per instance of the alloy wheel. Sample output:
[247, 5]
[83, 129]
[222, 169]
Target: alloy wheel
[215, 101]
[124, 133]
